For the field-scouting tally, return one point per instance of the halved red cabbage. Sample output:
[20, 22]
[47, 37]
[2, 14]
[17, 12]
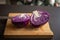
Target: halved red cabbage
[39, 17]
[21, 19]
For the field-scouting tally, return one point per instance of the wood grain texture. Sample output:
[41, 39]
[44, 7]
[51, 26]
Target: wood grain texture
[43, 31]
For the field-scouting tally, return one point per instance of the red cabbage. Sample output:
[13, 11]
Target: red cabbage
[39, 18]
[22, 19]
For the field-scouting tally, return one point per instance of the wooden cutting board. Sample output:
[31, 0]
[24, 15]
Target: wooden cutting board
[11, 31]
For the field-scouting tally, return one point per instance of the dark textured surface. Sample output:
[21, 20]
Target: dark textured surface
[54, 16]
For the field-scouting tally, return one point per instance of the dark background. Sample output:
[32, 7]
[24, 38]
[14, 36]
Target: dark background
[54, 17]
